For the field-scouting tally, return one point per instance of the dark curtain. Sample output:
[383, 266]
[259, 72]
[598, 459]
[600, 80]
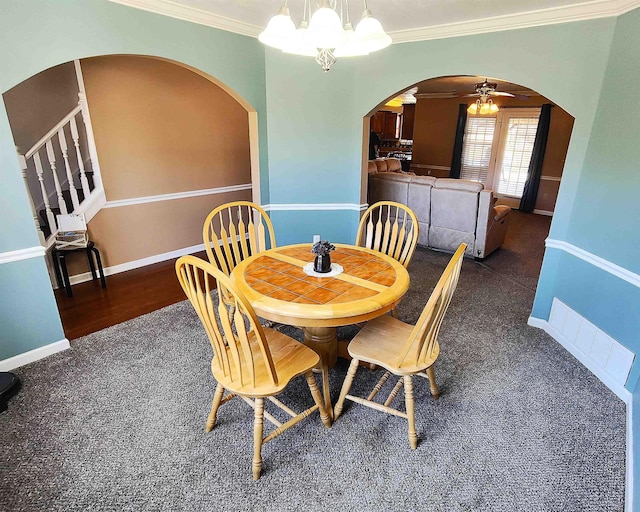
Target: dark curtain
[530, 192]
[456, 159]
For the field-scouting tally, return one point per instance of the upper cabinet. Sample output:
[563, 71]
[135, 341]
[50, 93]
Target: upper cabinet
[385, 124]
[408, 115]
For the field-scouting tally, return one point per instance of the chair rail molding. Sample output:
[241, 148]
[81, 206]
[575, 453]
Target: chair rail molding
[22, 254]
[177, 195]
[315, 207]
[597, 261]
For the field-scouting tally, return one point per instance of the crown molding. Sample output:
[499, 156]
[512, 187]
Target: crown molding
[186, 13]
[550, 16]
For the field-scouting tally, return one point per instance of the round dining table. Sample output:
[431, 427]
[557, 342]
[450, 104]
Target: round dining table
[362, 285]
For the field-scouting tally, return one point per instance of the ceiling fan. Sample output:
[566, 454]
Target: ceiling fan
[485, 90]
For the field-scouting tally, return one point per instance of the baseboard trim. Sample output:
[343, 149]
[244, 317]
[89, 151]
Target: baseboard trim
[34, 355]
[620, 391]
[544, 212]
[143, 262]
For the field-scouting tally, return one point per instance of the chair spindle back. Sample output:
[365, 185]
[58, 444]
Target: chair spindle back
[391, 228]
[240, 352]
[234, 231]
[421, 344]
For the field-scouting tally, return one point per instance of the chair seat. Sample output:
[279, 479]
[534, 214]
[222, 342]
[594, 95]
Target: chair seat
[290, 358]
[380, 342]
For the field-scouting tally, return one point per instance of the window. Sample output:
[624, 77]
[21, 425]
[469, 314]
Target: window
[497, 149]
[476, 151]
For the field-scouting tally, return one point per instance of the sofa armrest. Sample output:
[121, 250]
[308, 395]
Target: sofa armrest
[500, 211]
[491, 229]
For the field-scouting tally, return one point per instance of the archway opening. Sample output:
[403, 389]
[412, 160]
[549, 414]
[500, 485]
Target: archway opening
[424, 128]
[170, 144]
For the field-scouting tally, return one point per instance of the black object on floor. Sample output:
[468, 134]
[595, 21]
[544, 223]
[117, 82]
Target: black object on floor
[9, 386]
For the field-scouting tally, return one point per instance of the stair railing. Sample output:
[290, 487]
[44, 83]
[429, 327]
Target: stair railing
[57, 179]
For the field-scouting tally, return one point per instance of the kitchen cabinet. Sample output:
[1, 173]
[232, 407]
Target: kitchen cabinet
[384, 124]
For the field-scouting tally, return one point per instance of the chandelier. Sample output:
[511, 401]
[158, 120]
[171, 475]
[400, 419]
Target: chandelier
[325, 34]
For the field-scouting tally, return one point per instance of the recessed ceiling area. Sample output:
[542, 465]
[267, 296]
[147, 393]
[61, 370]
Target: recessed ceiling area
[458, 86]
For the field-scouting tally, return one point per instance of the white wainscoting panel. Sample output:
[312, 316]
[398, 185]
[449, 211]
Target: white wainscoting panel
[598, 347]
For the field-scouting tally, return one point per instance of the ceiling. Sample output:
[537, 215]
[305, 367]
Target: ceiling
[406, 20]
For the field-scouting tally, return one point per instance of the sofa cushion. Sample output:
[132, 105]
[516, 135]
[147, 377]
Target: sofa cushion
[381, 165]
[466, 185]
[389, 187]
[394, 165]
[372, 168]
[454, 209]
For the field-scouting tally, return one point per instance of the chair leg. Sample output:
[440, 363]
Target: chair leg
[346, 386]
[103, 282]
[394, 313]
[257, 438]
[433, 387]
[317, 398]
[408, 400]
[217, 398]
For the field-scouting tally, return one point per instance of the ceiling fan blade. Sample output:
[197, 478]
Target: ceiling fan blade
[496, 93]
[469, 95]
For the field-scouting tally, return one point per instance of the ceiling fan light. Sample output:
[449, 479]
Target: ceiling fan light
[325, 28]
[371, 34]
[279, 31]
[493, 108]
[473, 108]
[297, 44]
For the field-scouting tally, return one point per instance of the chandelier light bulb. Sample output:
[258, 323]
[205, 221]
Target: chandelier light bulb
[325, 28]
[279, 31]
[353, 47]
[371, 34]
[298, 45]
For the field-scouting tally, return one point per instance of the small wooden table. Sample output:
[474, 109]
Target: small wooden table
[279, 290]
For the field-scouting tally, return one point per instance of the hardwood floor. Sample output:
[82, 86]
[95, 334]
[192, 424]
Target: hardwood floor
[128, 295]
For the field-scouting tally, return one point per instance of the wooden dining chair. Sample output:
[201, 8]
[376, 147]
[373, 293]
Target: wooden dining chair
[249, 361]
[403, 350]
[234, 231]
[391, 228]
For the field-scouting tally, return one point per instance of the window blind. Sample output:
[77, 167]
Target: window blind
[476, 150]
[518, 146]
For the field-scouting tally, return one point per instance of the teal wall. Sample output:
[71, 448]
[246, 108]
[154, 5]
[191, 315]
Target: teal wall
[38, 34]
[310, 136]
[605, 219]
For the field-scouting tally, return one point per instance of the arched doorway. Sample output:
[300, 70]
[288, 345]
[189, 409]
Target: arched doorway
[420, 125]
[172, 143]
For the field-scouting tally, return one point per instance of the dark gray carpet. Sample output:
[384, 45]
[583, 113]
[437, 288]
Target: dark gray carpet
[117, 423]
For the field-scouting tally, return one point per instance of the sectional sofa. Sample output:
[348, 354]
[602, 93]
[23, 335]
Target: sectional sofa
[450, 211]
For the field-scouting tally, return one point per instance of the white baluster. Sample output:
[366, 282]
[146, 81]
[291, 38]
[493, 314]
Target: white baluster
[56, 181]
[51, 218]
[93, 152]
[65, 157]
[23, 166]
[84, 182]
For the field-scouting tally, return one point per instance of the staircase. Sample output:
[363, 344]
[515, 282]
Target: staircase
[61, 173]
